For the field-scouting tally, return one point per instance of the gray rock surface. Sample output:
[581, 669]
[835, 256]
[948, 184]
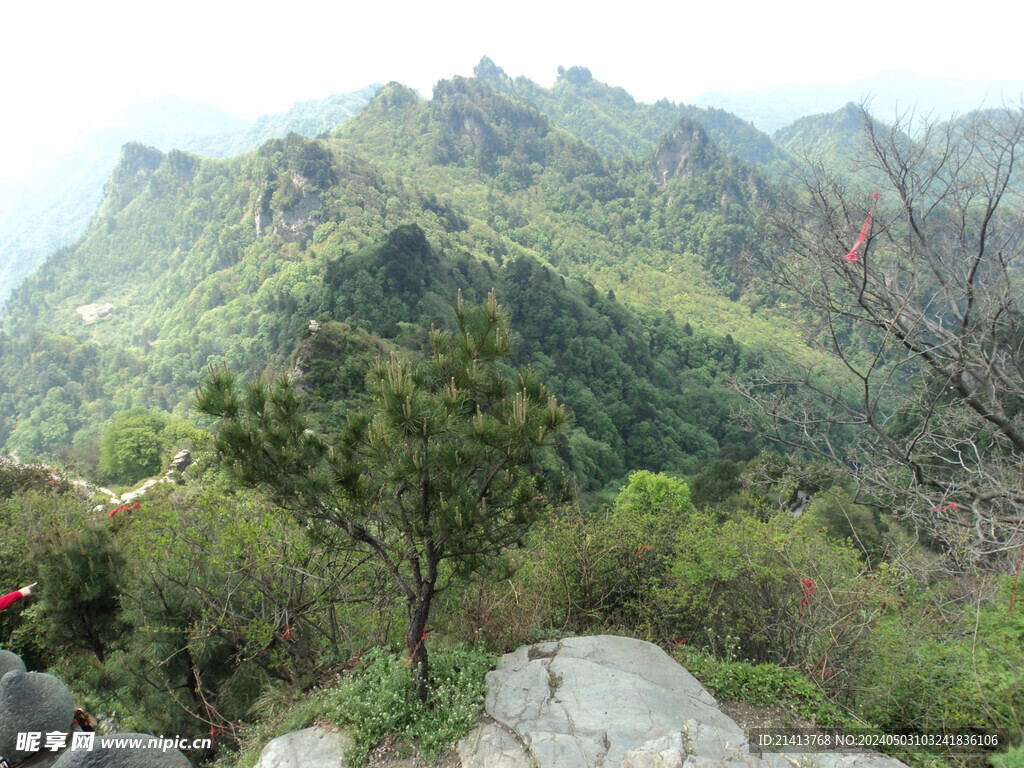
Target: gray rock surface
[613, 702]
[308, 748]
[10, 662]
[106, 754]
[31, 701]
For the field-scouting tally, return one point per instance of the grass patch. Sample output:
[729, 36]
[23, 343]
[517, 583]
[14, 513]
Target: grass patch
[377, 703]
[764, 685]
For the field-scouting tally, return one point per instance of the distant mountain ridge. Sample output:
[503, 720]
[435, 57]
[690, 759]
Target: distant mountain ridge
[52, 208]
[886, 94]
[619, 126]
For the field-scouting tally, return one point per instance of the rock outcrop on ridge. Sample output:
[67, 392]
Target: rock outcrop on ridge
[581, 702]
[614, 702]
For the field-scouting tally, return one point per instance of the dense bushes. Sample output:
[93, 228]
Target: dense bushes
[773, 608]
[778, 590]
[209, 605]
[932, 668]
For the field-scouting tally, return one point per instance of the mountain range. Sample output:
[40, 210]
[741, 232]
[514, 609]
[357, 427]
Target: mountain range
[887, 95]
[53, 207]
[616, 233]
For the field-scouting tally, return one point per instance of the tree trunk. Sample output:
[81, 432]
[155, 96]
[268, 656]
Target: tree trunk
[415, 639]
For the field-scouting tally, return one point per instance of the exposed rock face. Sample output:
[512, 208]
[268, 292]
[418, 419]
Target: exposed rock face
[308, 748]
[182, 460]
[91, 313]
[297, 222]
[685, 154]
[613, 702]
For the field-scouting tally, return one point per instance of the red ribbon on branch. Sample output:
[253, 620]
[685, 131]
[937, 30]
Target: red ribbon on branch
[808, 587]
[412, 651]
[123, 508]
[854, 253]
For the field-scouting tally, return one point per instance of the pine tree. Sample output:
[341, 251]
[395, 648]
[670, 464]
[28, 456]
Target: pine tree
[81, 574]
[448, 464]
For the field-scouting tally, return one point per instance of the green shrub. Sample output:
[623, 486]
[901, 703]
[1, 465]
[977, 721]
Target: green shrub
[40, 529]
[379, 701]
[604, 568]
[959, 670]
[778, 591]
[226, 587]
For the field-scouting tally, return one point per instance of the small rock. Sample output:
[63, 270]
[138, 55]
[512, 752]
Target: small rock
[309, 748]
[182, 460]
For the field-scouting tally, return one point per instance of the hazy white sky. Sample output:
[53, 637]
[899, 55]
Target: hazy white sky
[70, 67]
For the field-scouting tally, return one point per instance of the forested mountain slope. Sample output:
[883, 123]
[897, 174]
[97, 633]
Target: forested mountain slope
[618, 126]
[52, 208]
[654, 294]
[837, 137]
[624, 277]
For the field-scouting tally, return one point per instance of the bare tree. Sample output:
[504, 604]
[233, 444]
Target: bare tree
[923, 321]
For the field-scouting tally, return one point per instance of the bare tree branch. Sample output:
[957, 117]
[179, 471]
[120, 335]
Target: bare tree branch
[924, 400]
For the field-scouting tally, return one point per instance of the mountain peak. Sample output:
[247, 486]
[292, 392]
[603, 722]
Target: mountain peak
[489, 72]
[131, 175]
[575, 75]
[394, 95]
[685, 152]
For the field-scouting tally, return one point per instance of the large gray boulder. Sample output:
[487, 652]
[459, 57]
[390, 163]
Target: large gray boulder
[112, 752]
[31, 701]
[308, 748]
[613, 702]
